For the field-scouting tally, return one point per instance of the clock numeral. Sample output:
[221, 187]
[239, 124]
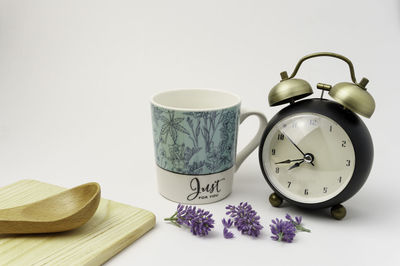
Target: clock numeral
[289, 183]
[325, 190]
[313, 122]
[340, 179]
[273, 151]
[281, 136]
[343, 143]
[347, 162]
[306, 191]
[330, 128]
[294, 125]
[277, 170]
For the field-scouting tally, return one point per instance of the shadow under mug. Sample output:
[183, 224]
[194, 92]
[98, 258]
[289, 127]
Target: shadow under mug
[195, 137]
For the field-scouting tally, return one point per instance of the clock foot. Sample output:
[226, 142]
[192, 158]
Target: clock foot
[275, 200]
[338, 212]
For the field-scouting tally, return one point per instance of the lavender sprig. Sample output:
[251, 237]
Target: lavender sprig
[227, 224]
[228, 234]
[198, 220]
[282, 230]
[245, 219]
[297, 223]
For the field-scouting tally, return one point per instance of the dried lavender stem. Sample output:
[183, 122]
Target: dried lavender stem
[301, 228]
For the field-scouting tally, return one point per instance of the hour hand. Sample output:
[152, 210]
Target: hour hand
[296, 165]
[289, 161]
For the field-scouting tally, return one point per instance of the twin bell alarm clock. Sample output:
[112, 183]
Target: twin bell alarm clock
[317, 153]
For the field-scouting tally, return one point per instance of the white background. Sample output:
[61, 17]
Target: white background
[75, 82]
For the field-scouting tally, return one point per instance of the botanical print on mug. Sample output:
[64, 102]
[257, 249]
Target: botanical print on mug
[195, 143]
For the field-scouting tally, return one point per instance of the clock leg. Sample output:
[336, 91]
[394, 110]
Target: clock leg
[275, 200]
[338, 212]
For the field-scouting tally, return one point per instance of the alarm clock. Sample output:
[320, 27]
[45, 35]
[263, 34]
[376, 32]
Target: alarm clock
[317, 153]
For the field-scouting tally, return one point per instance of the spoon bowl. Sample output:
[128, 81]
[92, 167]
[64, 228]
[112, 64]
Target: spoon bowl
[61, 212]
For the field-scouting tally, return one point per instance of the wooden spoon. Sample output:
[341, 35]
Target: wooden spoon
[61, 212]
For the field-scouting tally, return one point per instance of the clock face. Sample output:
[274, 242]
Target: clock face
[308, 158]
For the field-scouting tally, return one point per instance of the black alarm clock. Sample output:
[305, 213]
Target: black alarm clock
[317, 153]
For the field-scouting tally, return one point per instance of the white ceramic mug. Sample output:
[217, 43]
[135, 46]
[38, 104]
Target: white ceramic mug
[195, 136]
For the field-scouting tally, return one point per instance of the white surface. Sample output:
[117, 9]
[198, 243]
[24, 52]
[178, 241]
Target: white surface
[76, 78]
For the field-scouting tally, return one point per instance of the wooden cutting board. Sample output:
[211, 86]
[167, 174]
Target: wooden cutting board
[113, 227]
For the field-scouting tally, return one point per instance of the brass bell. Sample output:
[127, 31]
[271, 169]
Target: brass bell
[351, 95]
[288, 90]
[354, 97]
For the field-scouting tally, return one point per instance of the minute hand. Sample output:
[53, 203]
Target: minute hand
[294, 144]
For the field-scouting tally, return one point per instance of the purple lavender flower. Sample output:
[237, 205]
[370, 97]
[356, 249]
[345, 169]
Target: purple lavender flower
[199, 220]
[245, 219]
[227, 233]
[227, 224]
[282, 230]
[297, 223]
[297, 218]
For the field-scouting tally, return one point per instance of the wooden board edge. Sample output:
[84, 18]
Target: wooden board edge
[115, 247]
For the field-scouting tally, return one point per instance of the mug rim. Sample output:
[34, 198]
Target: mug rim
[226, 106]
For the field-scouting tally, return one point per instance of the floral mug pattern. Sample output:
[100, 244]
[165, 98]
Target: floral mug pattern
[195, 142]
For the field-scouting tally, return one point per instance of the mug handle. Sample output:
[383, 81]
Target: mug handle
[253, 144]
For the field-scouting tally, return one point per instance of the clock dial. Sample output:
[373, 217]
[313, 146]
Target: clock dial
[308, 158]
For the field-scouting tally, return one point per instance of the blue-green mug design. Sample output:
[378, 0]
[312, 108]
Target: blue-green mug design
[195, 142]
[195, 135]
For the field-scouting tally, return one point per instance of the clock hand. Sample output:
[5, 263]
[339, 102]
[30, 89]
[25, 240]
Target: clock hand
[296, 165]
[294, 144]
[289, 161]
